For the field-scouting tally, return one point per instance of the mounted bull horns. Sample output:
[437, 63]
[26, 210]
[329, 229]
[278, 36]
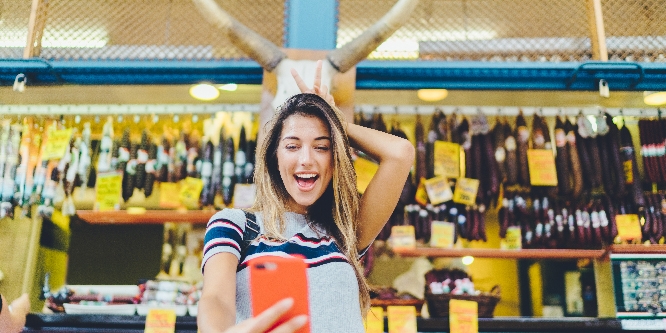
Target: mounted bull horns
[358, 49]
[263, 51]
[268, 55]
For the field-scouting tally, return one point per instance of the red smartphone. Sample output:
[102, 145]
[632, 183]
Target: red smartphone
[273, 279]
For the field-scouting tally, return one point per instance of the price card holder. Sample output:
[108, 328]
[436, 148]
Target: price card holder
[443, 234]
[541, 163]
[56, 144]
[401, 319]
[190, 191]
[513, 239]
[421, 196]
[244, 195]
[438, 190]
[374, 322]
[160, 321]
[463, 316]
[447, 159]
[365, 170]
[403, 237]
[628, 226]
[465, 192]
[108, 188]
[169, 195]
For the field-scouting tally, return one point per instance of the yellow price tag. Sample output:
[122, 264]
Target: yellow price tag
[365, 170]
[374, 322]
[190, 191]
[463, 316]
[57, 143]
[628, 226]
[401, 319]
[403, 237]
[541, 164]
[628, 167]
[108, 188]
[169, 195]
[438, 190]
[447, 159]
[465, 192]
[160, 321]
[421, 196]
[513, 239]
[443, 234]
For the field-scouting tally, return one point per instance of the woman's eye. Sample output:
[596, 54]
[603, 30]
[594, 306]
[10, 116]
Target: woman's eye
[322, 148]
[291, 147]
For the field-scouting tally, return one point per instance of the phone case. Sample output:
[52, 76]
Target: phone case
[274, 278]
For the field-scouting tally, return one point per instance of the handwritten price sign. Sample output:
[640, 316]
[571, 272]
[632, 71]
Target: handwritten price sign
[160, 321]
[465, 192]
[463, 316]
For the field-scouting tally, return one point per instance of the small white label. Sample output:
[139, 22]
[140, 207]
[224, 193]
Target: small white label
[206, 169]
[142, 156]
[228, 169]
[642, 324]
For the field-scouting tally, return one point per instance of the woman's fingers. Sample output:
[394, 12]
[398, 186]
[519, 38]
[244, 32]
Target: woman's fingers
[326, 96]
[292, 325]
[267, 318]
[317, 78]
[299, 81]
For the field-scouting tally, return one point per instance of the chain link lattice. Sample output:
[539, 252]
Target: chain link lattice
[478, 30]
[14, 18]
[149, 29]
[635, 30]
[485, 30]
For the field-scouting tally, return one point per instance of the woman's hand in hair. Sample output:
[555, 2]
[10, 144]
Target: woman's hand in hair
[317, 88]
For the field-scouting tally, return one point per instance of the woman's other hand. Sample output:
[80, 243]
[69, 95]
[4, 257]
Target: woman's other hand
[12, 317]
[266, 319]
[317, 88]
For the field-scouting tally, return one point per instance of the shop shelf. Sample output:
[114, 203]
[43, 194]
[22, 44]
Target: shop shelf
[638, 249]
[503, 254]
[145, 217]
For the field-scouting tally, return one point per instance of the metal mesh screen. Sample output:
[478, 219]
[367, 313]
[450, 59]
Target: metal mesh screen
[14, 17]
[149, 29]
[635, 30]
[485, 30]
[479, 30]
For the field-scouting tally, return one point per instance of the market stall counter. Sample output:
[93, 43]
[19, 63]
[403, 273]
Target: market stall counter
[66, 323]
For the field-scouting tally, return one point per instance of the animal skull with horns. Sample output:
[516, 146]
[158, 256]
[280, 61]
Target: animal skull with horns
[277, 63]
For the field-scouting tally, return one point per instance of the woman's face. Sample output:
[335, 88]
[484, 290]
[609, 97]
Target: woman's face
[305, 160]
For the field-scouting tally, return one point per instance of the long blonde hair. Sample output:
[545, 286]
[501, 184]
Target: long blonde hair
[337, 209]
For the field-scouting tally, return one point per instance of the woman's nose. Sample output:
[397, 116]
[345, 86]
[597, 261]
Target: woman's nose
[305, 157]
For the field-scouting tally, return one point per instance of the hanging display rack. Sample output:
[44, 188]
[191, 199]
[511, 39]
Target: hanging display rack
[147, 109]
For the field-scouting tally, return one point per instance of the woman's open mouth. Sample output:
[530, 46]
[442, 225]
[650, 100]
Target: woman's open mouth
[306, 181]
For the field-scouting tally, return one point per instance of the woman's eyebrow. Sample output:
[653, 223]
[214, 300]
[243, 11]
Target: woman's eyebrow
[315, 139]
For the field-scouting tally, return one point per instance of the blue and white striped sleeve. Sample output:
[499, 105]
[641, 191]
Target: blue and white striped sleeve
[224, 233]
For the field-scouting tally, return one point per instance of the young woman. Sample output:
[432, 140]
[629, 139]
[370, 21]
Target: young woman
[12, 316]
[307, 204]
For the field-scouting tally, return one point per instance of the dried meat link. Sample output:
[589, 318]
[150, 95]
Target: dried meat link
[129, 176]
[151, 170]
[503, 216]
[492, 168]
[606, 171]
[562, 159]
[141, 159]
[419, 135]
[511, 159]
[500, 151]
[522, 144]
[574, 161]
[614, 157]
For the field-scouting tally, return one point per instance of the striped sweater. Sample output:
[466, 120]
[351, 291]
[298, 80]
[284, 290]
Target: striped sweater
[333, 289]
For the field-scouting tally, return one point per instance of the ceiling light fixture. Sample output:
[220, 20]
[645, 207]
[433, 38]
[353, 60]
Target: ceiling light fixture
[654, 98]
[228, 87]
[432, 95]
[467, 260]
[204, 92]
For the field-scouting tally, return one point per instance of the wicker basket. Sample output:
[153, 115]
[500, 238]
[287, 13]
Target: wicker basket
[438, 304]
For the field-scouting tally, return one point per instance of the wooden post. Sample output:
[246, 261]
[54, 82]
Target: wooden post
[36, 26]
[597, 30]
